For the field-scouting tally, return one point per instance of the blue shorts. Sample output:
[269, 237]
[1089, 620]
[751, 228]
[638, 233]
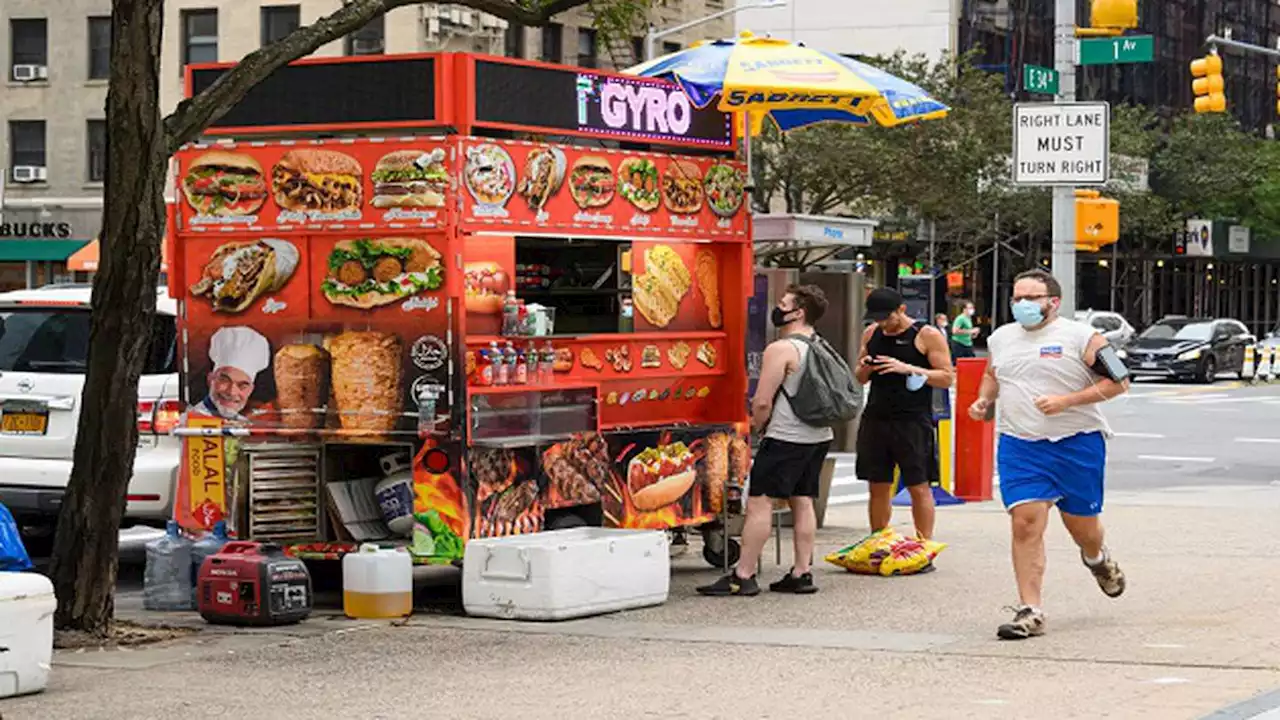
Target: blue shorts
[1067, 473]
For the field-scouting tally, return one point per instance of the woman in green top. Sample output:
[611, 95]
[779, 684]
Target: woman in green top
[963, 333]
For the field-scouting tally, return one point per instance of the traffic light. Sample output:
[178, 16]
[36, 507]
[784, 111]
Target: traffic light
[1097, 221]
[1208, 85]
[1114, 14]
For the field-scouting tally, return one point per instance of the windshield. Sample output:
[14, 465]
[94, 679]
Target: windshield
[1179, 331]
[44, 340]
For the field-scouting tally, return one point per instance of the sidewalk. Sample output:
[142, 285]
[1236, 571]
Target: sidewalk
[1194, 635]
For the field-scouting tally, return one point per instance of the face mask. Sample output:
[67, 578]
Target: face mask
[969, 312]
[915, 382]
[1028, 313]
[779, 317]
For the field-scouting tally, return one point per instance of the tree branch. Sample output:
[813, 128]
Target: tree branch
[195, 114]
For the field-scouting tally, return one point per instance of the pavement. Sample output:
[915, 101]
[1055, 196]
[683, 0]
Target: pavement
[1194, 636]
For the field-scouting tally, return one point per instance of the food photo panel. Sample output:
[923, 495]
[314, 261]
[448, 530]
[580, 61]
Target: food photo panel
[247, 279]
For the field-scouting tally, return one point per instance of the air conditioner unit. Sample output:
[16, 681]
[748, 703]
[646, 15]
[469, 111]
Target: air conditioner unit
[29, 173]
[29, 73]
[466, 17]
[455, 16]
[366, 46]
[433, 27]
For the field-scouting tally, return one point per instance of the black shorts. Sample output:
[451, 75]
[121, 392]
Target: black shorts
[908, 445]
[784, 470]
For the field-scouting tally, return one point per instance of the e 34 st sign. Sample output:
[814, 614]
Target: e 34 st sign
[1064, 144]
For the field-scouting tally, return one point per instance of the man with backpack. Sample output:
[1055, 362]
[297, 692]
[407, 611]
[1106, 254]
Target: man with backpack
[902, 360]
[805, 388]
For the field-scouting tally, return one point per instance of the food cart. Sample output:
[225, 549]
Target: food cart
[501, 298]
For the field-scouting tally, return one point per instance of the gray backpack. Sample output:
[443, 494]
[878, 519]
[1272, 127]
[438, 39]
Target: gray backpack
[828, 395]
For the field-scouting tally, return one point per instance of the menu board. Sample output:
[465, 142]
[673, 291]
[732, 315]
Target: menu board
[531, 186]
[316, 185]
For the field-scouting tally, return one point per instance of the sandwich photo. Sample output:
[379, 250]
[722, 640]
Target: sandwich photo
[650, 357]
[371, 272]
[238, 273]
[657, 292]
[682, 187]
[707, 354]
[410, 178]
[660, 476]
[317, 181]
[638, 183]
[592, 183]
[543, 176]
[221, 183]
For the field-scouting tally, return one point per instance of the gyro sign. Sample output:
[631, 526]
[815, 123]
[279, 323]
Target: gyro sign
[646, 110]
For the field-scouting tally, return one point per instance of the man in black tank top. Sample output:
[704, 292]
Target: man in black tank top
[903, 361]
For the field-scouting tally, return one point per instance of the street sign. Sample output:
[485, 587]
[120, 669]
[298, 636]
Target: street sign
[1041, 80]
[1063, 144]
[1116, 50]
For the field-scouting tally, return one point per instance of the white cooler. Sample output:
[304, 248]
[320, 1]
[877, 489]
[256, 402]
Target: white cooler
[26, 632]
[565, 574]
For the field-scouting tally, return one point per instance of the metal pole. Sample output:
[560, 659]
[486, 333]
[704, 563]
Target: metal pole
[650, 41]
[933, 264]
[1115, 260]
[1064, 198]
[995, 279]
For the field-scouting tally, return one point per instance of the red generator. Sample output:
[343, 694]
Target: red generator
[249, 583]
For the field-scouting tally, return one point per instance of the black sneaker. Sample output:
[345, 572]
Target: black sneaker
[731, 584]
[796, 585]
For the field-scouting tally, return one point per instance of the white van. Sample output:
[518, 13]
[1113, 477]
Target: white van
[44, 342]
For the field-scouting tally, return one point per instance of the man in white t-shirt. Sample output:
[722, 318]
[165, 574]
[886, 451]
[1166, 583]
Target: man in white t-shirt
[1050, 373]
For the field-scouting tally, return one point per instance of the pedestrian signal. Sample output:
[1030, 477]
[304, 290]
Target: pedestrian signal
[1208, 85]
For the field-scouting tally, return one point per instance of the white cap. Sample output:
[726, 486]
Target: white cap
[241, 348]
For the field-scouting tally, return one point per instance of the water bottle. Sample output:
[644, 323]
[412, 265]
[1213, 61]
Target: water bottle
[206, 546]
[167, 581]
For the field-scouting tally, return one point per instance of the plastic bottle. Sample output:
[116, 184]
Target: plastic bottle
[166, 581]
[484, 369]
[499, 365]
[522, 368]
[377, 583]
[548, 364]
[206, 546]
[509, 357]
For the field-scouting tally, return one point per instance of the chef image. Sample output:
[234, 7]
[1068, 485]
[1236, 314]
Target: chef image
[238, 354]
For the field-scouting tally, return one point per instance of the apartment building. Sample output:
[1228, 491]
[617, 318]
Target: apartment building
[927, 27]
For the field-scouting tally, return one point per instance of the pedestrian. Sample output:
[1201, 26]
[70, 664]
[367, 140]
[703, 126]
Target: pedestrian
[963, 333]
[1050, 373]
[901, 360]
[944, 326]
[788, 463]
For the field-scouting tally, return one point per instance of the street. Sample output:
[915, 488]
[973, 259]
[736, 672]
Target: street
[1194, 489]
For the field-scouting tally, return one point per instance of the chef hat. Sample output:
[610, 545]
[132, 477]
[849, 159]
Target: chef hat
[241, 348]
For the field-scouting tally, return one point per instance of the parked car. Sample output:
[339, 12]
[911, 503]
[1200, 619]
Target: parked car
[44, 342]
[1180, 347]
[1112, 325]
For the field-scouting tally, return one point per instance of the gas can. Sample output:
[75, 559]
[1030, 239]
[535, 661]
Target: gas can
[249, 583]
[377, 582]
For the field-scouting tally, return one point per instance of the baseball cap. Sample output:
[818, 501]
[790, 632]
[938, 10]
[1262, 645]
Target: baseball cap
[881, 303]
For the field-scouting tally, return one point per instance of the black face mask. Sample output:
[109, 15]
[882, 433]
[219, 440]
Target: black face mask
[779, 317]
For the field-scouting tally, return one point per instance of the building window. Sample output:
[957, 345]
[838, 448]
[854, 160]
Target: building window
[29, 40]
[587, 47]
[26, 143]
[637, 49]
[199, 36]
[99, 48]
[670, 47]
[278, 21]
[370, 39]
[513, 45]
[553, 43]
[97, 151]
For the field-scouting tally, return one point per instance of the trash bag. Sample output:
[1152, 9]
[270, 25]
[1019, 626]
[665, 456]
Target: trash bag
[13, 554]
[887, 553]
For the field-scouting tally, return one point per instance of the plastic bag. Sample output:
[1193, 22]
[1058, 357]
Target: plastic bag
[887, 553]
[13, 554]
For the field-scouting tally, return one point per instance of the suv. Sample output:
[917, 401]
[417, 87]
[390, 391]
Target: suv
[44, 342]
[1197, 348]
[1112, 325]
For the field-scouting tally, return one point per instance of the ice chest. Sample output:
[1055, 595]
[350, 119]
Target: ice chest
[565, 574]
[26, 632]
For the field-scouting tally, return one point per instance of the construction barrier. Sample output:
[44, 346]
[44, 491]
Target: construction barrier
[975, 439]
[942, 482]
[1266, 369]
[1247, 371]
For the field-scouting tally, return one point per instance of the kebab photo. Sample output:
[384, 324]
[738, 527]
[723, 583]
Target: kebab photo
[324, 181]
[410, 178]
[371, 272]
[543, 176]
[238, 273]
[222, 183]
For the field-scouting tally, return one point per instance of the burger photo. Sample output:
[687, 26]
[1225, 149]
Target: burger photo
[592, 182]
[222, 183]
[317, 181]
[410, 178]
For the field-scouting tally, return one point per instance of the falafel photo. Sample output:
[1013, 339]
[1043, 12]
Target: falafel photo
[370, 272]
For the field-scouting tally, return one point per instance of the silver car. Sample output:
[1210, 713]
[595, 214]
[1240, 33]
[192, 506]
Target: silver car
[1112, 325]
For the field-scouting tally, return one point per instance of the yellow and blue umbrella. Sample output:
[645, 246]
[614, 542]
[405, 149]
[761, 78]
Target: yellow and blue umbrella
[793, 84]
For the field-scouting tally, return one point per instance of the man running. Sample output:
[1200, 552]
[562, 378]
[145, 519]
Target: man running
[963, 333]
[1050, 373]
[788, 464]
[902, 360]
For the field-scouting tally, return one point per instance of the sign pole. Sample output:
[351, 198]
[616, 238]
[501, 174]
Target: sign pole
[1064, 197]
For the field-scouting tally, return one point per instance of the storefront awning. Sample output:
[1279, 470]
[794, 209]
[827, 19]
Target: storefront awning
[38, 250]
[86, 258]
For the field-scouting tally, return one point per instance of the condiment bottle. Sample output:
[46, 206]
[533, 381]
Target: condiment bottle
[484, 369]
[522, 368]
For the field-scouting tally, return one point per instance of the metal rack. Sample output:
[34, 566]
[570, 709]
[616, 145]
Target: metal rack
[284, 491]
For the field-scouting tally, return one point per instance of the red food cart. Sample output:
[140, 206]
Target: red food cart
[439, 297]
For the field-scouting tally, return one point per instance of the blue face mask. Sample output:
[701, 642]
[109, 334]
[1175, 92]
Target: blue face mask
[915, 382]
[1028, 313]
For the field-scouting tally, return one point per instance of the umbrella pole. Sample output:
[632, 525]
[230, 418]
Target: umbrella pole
[746, 151]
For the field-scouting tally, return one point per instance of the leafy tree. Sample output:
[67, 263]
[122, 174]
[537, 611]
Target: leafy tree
[139, 145]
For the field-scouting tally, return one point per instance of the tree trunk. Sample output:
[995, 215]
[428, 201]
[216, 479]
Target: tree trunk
[124, 302]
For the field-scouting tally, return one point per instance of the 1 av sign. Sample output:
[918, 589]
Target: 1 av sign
[1117, 50]
[1039, 80]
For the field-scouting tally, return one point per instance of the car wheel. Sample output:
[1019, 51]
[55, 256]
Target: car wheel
[1209, 371]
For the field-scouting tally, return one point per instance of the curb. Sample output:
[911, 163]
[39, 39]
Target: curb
[1260, 707]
